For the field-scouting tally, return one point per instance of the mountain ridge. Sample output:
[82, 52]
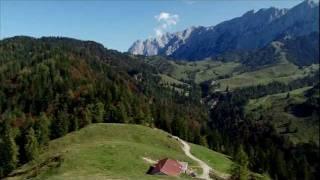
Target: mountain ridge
[252, 30]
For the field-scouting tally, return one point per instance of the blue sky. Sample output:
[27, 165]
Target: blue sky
[117, 24]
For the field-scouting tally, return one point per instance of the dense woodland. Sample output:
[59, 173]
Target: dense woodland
[52, 86]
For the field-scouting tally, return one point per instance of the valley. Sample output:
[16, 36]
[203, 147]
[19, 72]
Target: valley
[235, 101]
[228, 74]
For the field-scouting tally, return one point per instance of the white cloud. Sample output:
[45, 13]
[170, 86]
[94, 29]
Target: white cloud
[158, 32]
[165, 21]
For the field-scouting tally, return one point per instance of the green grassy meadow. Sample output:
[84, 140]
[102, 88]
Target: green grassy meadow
[228, 74]
[218, 161]
[284, 72]
[112, 151]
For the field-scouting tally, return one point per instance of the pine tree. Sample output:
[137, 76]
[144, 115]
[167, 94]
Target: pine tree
[98, 112]
[288, 95]
[60, 125]
[8, 148]
[305, 170]
[177, 126]
[240, 169]
[74, 123]
[139, 119]
[88, 115]
[280, 165]
[148, 117]
[41, 128]
[214, 140]
[32, 146]
[120, 115]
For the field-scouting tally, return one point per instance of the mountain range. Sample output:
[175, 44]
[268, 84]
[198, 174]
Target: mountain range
[253, 30]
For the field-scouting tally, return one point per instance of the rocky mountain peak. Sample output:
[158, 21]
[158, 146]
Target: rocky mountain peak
[250, 31]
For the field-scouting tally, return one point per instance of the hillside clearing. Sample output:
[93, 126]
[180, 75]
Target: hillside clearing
[228, 74]
[274, 108]
[284, 72]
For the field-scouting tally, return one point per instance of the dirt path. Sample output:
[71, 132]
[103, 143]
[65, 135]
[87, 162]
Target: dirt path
[205, 167]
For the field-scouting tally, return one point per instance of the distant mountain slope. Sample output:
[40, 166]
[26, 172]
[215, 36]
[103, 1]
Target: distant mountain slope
[301, 51]
[231, 74]
[280, 109]
[251, 31]
[283, 60]
[112, 151]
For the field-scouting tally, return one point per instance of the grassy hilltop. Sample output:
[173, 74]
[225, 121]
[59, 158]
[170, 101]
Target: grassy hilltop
[113, 151]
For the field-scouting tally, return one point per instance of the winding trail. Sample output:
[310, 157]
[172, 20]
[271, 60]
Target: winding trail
[205, 167]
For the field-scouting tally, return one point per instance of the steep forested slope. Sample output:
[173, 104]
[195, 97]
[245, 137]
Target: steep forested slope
[268, 145]
[52, 86]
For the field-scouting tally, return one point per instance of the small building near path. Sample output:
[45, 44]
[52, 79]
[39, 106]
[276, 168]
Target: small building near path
[168, 167]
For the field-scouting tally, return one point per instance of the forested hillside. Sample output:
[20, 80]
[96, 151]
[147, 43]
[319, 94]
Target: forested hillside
[293, 113]
[269, 150]
[52, 86]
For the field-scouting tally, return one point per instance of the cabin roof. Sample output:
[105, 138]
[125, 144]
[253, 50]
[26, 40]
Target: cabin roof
[168, 166]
